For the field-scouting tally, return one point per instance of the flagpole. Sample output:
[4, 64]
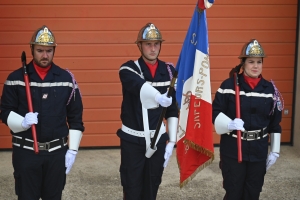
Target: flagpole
[238, 112]
[163, 112]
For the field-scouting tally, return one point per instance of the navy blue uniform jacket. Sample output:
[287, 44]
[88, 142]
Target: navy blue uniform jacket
[131, 111]
[49, 99]
[256, 106]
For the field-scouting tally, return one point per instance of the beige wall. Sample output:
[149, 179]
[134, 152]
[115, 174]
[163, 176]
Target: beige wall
[296, 128]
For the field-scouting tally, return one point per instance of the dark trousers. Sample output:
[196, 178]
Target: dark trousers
[39, 175]
[140, 176]
[242, 181]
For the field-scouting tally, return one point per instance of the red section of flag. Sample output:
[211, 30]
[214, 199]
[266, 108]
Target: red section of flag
[195, 150]
[199, 125]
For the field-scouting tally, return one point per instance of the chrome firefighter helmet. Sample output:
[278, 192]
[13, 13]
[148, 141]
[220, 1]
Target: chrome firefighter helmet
[149, 32]
[43, 36]
[252, 49]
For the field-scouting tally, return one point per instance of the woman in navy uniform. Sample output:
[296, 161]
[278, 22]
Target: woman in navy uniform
[144, 86]
[57, 106]
[260, 106]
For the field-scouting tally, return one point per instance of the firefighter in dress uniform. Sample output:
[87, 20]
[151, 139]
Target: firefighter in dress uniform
[260, 106]
[144, 86]
[57, 115]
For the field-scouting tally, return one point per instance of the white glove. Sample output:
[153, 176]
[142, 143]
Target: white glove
[70, 159]
[168, 153]
[30, 118]
[272, 157]
[163, 100]
[236, 124]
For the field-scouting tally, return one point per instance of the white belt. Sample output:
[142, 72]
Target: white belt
[159, 84]
[141, 133]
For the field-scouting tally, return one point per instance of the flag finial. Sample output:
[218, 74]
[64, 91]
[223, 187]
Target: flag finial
[205, 4]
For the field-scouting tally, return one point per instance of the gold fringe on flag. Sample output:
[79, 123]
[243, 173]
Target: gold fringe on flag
[204, 165]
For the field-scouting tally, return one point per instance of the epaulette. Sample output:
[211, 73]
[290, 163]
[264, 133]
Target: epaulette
[74, 87]
[169, 69]
[277, 98]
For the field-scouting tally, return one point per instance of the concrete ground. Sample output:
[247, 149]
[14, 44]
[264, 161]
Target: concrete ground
[95, 176]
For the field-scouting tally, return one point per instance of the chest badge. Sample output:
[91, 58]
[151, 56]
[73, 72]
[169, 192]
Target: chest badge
[45, 96]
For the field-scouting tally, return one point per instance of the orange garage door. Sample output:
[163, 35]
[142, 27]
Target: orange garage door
[95, 37]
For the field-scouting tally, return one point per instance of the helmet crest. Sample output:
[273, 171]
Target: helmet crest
[252, 49]
[149, 32]
[43, 36]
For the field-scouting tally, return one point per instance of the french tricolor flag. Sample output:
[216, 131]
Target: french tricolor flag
[195, 148]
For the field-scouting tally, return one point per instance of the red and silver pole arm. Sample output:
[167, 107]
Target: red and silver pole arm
[29, 101]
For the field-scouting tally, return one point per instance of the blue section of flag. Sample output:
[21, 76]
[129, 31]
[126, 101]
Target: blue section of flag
[196, 38]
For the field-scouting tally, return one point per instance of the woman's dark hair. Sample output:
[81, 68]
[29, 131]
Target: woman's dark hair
[236, 69]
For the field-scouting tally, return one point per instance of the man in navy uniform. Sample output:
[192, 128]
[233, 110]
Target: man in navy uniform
[144, 86]
[57, 115]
